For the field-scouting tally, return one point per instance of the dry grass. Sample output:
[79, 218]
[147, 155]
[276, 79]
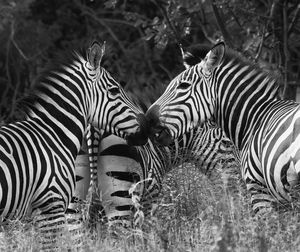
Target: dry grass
[194, 214]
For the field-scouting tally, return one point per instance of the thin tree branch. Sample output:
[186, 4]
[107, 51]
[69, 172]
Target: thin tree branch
[113, 35]
[86, 11]
[12, 38]
[8, 46]
[252, 13]
[285, 48]
[170, 75]
[9, 79]
[205, 33]
[235, 18]
[118, 21]
[294, 20]
[146, 53]
[264, 3]
[221, 23]
[260, 45]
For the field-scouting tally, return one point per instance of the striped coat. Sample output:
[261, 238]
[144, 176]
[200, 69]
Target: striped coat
[243, 100]
[37, 154]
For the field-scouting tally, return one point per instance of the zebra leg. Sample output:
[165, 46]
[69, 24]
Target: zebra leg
[75, 222]
[261, 199]
[252, 174]
[59, 230]
[51, 227]
[55, 223]
[77, 210]
[76, 230]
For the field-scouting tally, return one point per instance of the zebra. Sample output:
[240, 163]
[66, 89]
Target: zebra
[77, 214]
[243, 100]
[117, 167]
[37, 154]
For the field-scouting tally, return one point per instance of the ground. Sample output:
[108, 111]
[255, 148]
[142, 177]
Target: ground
[194, 213]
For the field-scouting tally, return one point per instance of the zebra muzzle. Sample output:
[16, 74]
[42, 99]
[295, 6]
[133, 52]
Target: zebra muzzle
[141, 135]
[161, 135]
[158, 133]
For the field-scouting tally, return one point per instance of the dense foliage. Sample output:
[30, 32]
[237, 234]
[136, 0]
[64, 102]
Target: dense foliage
[143, 38]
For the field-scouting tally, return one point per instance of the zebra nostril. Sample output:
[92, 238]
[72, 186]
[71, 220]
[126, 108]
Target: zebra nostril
[161, 135]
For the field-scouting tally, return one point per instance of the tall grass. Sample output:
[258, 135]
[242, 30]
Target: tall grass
[194, 213]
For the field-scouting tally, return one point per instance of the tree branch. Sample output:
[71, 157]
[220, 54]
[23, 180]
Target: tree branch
[86, 11]
[205, 33]
[260, 45]
[221, 23]
[294, 21]
[285, 48]
[12, 38]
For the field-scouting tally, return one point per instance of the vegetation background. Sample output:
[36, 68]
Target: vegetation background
[143, 39]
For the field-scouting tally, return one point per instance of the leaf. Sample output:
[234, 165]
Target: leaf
[149, 34]
[110, 4]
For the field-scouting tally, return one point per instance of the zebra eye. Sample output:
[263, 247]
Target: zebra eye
[114, 90]
[184, 85]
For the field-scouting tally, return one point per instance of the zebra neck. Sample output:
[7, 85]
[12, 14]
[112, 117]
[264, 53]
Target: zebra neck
[244, 95]
[61, 116]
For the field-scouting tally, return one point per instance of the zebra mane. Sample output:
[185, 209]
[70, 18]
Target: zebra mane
[61, 59]
[194, 54]
[238, 58]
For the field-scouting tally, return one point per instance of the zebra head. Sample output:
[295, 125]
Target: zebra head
[187, 101]
[111, 109]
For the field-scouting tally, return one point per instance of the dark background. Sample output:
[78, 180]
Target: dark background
[143, 38]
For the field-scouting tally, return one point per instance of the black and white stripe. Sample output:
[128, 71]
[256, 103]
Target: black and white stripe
[121, 167]
[243, 100]
[37, 154]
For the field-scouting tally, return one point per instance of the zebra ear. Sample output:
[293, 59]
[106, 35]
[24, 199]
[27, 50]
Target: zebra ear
[95, 54]
[194, 54]
[214, 57]
[185, 58]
